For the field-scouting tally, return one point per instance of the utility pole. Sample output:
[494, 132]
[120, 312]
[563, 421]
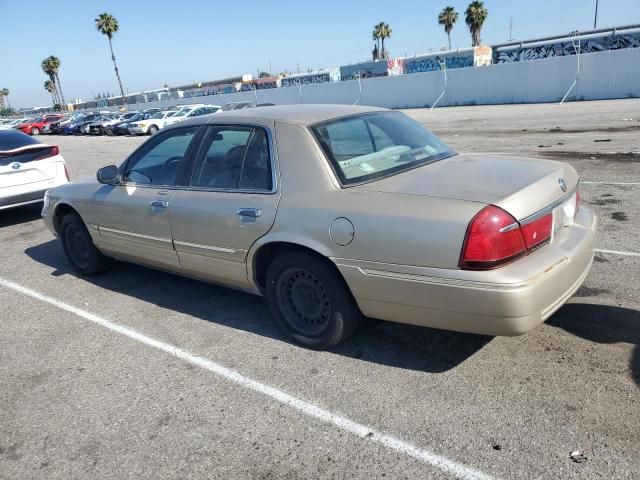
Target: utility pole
[510, 28]
[595, 18]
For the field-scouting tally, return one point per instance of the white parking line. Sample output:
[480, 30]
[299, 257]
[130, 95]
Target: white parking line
[618, 252]
[609, 183]
[446, 465]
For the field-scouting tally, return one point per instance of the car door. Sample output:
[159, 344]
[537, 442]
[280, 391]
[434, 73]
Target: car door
[230, 203]
[134, 216]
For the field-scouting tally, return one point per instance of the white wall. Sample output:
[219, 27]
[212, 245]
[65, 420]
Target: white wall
[609, 74]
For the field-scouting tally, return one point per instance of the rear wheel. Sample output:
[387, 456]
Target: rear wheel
[83, 255]
[310, 301]
[35, 131]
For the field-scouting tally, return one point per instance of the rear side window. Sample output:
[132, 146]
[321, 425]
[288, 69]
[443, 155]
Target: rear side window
[369, 146]
[12, 139]
[236, 158]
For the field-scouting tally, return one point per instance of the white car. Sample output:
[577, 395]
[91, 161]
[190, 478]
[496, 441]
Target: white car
[152, 124]
[9, 124]
[28, 168]
[191, 112]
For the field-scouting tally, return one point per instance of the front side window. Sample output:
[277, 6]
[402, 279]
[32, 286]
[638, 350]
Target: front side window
[159, 162]
[375, 145]
[237, 158]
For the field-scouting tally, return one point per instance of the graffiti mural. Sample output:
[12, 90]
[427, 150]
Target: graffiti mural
[433, 63]
[567, 47]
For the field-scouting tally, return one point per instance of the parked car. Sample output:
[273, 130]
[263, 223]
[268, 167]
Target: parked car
[57, 128]
[235, 106]
[11, 123]
[152, 124]
[97, 127]
[124, 118]
[35, 125]
[376, 216]
[122, 128]
[191, 112]
[28, 167]
[76, 127]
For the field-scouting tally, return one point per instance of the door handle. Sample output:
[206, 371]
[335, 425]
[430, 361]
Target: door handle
[159, 204]
[249, 212]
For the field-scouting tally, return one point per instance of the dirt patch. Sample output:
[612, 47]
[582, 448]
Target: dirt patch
[619, 157]
[620, 216]
[584, 291]
[605, 201]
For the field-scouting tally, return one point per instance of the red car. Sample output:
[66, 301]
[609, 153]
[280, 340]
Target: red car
[34, 126]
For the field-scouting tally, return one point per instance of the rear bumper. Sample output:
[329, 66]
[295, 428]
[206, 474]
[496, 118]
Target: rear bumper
[507, 301]
[13, 201]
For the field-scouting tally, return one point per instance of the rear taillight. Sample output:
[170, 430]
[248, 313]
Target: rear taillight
[538, 231]
[493, 239]
[49, 152]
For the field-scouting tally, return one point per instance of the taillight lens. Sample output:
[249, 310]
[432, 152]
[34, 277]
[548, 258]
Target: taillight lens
[49, 152]
[538, 231]
[493, 239]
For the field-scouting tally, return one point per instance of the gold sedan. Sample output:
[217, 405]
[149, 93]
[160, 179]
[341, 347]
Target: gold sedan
[333, 212]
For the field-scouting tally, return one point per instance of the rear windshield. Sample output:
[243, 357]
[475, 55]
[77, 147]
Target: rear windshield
[12, 139]
[374, 145]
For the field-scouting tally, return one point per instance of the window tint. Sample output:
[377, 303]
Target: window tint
[159, 163]
[12, 139]
[237, 158]
[374, 145]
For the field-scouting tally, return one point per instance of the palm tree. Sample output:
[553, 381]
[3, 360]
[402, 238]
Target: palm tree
[385, 32]
[4, 92]
[375, 35]
[108, 25]
[475, 16]
[448, 16]
[54, 62]
[49, 70]
[50, 87]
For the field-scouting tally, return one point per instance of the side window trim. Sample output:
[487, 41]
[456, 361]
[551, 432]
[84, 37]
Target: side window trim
[205, 144]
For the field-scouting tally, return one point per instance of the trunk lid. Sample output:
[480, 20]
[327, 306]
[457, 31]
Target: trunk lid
[521, 186]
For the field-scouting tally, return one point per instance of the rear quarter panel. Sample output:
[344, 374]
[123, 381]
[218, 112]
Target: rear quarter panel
[388, 228]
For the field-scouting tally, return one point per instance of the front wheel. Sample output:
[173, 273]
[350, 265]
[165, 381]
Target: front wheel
[83, 255]
[310, 300]
[152, 130]
[35, 131]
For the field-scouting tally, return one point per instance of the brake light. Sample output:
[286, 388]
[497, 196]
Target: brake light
[49, 152]
[538, 231]
[493, 239]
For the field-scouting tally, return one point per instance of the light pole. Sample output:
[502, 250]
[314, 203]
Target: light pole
[595, 18]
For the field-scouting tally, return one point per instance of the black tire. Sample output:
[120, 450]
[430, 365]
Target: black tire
[82, 254]
[152, 130]
[310, 300]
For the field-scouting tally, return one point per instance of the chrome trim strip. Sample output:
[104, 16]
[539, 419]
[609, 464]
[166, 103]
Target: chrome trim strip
[132, 234]
[548, 209]
[205, 247]
[508, 228]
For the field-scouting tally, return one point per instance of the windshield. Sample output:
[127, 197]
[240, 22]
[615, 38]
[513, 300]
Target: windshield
[181, 113]
[158, 115]
[374, 145]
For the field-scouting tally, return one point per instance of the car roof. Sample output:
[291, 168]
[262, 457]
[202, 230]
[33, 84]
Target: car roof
[306, 114]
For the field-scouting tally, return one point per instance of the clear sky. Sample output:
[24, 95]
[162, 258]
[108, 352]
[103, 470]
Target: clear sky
[180, 42]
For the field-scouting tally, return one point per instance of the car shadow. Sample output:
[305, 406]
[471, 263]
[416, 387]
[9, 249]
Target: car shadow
[603, 324]
[18, 215]
[385, 343]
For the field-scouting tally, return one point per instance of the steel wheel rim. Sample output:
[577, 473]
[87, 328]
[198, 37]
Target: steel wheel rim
[303, 301]
[78, 246]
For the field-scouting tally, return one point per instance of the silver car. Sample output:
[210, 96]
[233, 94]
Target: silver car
[338, 212]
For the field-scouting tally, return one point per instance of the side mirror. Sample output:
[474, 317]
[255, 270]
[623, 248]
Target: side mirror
[108, 175]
